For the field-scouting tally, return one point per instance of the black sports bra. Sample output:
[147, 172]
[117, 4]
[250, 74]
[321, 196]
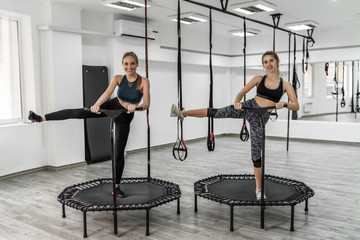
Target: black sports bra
[270, 94]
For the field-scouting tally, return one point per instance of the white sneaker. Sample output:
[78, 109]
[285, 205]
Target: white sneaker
[258, 194]
[175, 111]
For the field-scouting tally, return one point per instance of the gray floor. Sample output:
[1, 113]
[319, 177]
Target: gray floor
[29, 209]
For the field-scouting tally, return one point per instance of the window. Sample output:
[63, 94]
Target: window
[10, 91]
[308, 82]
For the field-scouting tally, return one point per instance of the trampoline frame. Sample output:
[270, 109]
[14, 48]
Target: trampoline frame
[66, 198]
[200, 189]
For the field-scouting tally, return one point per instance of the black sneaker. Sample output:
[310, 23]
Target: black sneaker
[33, 117]
[119, 193]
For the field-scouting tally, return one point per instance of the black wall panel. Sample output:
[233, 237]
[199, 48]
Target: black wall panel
[97, 130]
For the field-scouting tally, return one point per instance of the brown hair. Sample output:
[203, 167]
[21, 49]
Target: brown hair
[132, 54]
[274, 55]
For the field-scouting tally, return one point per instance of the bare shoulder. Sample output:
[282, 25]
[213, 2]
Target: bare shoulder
[144, 80]
[257, 79]
[118, 78]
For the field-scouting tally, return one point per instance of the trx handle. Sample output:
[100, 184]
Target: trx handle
[244, 133]
[179, 148]
[211, 137]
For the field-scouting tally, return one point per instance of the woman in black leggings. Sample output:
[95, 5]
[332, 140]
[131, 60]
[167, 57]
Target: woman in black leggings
[270, 89]
[131, 89]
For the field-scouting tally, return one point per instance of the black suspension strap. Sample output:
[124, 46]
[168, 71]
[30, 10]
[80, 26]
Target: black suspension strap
[295, 80]
[147, 76]
[224, 5]
[211, 137]
[357, 109]
[179, 148]
[244, 133]
[289, 72]
[327, 69]
[335, 93]
[342, 102]
[352, 86]
[276, 20]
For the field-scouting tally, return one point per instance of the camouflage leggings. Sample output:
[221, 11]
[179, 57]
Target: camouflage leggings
[254, 121]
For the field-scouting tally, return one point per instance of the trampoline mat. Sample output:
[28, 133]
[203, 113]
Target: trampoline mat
[137, 193]
[244, 189]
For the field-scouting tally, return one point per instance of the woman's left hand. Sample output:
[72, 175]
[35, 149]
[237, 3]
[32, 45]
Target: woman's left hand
[279, 105]
[131, 108]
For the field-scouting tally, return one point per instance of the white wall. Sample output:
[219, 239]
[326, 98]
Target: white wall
[53, 80]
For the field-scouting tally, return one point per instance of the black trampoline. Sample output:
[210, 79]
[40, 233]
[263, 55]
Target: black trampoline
[238, 190]
[96, 195]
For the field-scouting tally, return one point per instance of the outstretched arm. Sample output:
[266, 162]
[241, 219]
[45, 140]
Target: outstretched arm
[252, 83]
[107, 94]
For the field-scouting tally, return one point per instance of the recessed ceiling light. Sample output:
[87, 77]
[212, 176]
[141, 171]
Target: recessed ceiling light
[252, 7]
[249, 32]
[127, 5]
[189, 18]
[302, 25]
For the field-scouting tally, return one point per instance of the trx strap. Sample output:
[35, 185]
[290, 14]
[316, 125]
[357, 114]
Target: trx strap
[335, 93]
[295, 80]
[342, 102]
[224, 6]
[244, 133]
[211, 137]
[289, 72]
[352, 86]
[357, 109]
[147, 76]
[276, 20]
[179, 148]
[327, 69]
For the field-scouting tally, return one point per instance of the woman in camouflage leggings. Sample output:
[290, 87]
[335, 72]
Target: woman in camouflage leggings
[270, 89]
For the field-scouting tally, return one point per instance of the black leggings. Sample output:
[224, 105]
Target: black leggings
[122, 127]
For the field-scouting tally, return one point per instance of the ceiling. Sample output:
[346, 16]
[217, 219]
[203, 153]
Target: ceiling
[328, 13]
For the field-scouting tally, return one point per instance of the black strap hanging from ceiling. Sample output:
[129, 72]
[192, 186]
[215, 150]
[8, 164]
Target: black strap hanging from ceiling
[244, 133]
[335, 93]
[342, 102]
[179, 148]
[224, 6]
[357, 109]
[295, 80]
[352, 86]
[211, 137]
[276, 20]
[289, 72]
[147, 76]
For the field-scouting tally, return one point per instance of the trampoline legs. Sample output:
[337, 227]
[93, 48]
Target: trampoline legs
[178, 206]
[84, 220]
[292, 219]
[195, 208]
[115, 222]
[262, 216]
[147, 222]
[63, 210]
[231, 218]
[306, 205]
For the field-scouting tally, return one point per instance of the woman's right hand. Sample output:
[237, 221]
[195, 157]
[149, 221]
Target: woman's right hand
[238, 106]
[95, 109]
